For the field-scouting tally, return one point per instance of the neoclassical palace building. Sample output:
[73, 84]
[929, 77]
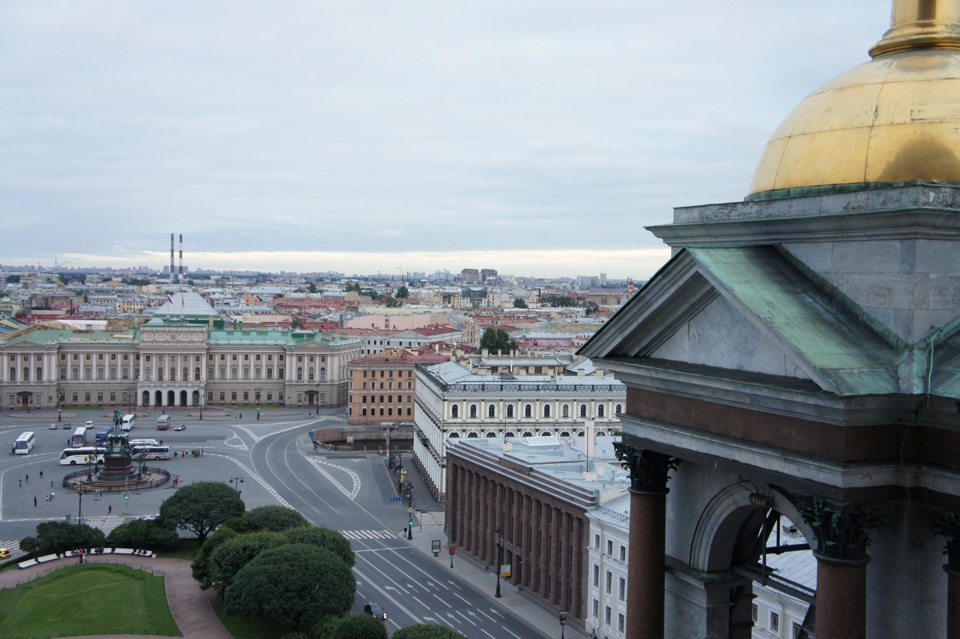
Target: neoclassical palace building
[185, 356]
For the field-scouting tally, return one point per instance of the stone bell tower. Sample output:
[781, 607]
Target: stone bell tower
[799, 357]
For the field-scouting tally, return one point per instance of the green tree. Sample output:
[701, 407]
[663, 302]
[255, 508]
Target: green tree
[274, 518]
[427, 631]
[13, 279]
[322, 538]
[59, 537]
[358, 627]
[142, 533]
[293, 585]
[227, 560]
[312, 287]
[393, 302]
[557, 301]
[200, 568]
[199, 508]
[519, 302]
[403, 292]
[497, 339]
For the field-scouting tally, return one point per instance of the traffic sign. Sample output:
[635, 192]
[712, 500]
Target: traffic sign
[396, 499]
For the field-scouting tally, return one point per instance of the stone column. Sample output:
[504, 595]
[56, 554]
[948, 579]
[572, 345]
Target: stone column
[841, 532]
[578, 546]
[947, 524]
[648, 520]
[526, 561]
[543, 550]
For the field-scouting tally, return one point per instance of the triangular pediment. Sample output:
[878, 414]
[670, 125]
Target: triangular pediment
[748, 309]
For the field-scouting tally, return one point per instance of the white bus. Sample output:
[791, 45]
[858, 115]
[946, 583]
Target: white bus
[129, 421]
[79, 437]
[85, 455]
[143, 442]
[24, 443]
[151, 452]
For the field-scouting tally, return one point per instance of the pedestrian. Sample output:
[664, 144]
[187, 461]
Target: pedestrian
[51, 483]
[28, 479]
[41, 474]
[110, 509]
[21, 482]
[52, 495]
[34, 501]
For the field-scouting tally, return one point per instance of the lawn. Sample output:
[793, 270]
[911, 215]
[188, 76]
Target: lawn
[87, 600]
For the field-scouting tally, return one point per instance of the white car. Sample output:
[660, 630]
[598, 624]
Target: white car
[53, 427]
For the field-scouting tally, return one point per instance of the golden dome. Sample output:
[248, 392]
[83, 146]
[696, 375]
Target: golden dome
[893, 119]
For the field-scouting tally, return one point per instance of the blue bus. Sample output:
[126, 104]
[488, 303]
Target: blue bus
[102, 435]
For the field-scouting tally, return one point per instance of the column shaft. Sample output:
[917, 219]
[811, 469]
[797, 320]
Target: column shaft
[645, 572]
[841, 599]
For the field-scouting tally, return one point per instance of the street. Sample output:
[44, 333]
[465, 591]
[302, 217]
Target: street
[269, 461]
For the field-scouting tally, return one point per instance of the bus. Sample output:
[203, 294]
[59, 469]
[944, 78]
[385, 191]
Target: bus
[151, 452]
[129, 421]
[84, 455]
[79, 437]
[143, 442]
[24, 443]
[163, 422]
[102, 435]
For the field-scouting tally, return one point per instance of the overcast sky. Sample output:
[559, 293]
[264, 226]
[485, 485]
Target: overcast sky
[534, 137]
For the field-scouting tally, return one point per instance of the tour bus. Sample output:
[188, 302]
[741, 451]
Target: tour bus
[79, 437]
[102, 435]
[143, 442]
[84, 455]
[129, 421]
[24, 443]
[151, 452]
[163, 422]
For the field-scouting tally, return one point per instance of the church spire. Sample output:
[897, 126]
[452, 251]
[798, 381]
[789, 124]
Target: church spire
[921, 24]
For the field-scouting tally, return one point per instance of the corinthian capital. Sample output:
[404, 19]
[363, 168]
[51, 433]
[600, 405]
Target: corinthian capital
[648, 469]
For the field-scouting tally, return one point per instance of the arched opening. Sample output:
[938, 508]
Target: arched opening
[472, 435]
[171, 398]
[510, 411]
[195, 400]
[454, 411]
[473, 411]
[527, 433]
[565, 411]
[492, 411]
[145, 398]
[546, 410]
[158, 398]
[528, 411]
[753, 531]
[183, 398]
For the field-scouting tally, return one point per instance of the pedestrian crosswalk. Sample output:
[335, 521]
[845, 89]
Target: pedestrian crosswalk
[362, 535]
[13, 545]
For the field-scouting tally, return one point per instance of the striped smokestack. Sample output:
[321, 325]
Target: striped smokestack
[180, 274]
[173, 273]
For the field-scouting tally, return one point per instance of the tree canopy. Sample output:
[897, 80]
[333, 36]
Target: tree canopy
[519, 302]
[402, 292]
[322, 538]
[141, 533]
[59, 536]
[231, 556]
[497, 339]
[275, 518]
[200, 568]
[559, 300]
[358, 627]
[293, 585]
[199, 508]
[427, 631]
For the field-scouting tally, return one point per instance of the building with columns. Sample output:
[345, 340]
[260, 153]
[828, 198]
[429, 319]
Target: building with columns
[799, 357]
[523, 503]
[184, 357]
[485, 395]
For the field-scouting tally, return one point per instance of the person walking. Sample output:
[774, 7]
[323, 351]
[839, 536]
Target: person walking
[110, 509]
[41, 474]
[34, 501]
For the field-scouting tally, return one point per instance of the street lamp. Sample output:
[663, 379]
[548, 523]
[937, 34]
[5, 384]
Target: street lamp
[499, 559]
[563, 621]
[201, 405]
[410, 512]
[60, 408]
[80, 490]
[316, 400]
[236, 481]
[257, 393]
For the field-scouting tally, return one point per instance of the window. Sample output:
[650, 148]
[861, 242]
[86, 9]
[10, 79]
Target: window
[775, 622]
[596, 575]
[583, 410]
[596, 608]
[621, 623]
[565, 411]
[454, 411]
[609, 546]
[546, 410]
[596, 541]
[600, 410]
[609, 582]
[528, 411]
[622, 593]
[607, 613]
[491, 411]
[797, 629]
[754, 613]
[510, 412]
[623, 553]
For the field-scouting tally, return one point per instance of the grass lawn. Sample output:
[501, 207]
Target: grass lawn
[242, 628]
[89, 599]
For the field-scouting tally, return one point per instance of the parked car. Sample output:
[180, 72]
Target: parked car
[53, 427]
[180, 427]
[375, 610]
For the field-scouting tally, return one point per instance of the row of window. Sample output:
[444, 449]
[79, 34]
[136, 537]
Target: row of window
[389, 399]
[596, 546]
[622, 591]
[388, 385]
[528, 411]
[608, 616]
[773, 622]
[409, 373]
[389, 413]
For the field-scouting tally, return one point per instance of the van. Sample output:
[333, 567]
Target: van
[128, 422]
[163, 422]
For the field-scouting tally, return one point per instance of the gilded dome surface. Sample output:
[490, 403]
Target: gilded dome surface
[893, 119]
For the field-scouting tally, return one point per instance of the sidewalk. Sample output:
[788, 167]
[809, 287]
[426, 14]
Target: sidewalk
[512, 599]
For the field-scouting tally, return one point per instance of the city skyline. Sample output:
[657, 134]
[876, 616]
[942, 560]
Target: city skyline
[537, 139]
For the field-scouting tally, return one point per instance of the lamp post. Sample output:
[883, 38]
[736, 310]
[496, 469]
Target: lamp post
[316, 400]
[563, 621]
[60, 408]
[410, 512]
[257, 393]
[201, 405]
[236, 481]
[80, 505]
[499, 559]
